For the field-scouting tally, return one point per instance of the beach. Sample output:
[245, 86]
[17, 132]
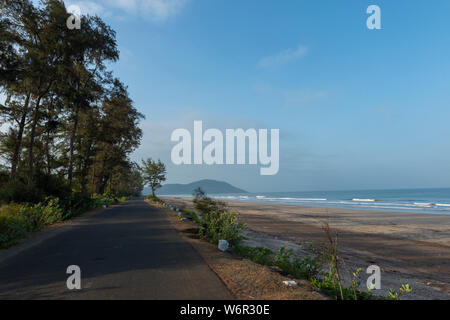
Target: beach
[411, 248]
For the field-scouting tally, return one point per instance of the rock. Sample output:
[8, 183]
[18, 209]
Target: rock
[290, 283]
[223, 245]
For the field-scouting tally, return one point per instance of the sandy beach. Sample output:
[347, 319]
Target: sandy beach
[408, 247]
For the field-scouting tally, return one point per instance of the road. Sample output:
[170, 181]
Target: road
[125, 252]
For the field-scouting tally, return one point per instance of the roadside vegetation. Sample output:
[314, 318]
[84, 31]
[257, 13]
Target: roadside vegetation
[323, 267]
[18, 220]
[68, 125]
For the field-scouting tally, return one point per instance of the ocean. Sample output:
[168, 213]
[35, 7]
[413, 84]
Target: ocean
[433, 201]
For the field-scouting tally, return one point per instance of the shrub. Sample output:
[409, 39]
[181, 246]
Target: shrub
[217, 223]
[16, 191]
[302, 268]
[258, 255]
[12, 228]
[154, 199]
[51, 211]
[205, 205]
[193, 215]
[223, 226]
[104, 199]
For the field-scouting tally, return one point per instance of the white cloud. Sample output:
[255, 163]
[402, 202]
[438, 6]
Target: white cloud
[157, 10]
[283, 57]
[87, 7]
[162, 9]
[127, 5]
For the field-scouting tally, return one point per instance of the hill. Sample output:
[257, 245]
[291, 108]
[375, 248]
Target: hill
[209, 186]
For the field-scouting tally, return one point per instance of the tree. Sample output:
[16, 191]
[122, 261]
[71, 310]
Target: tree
[154, 172]
[68, 125]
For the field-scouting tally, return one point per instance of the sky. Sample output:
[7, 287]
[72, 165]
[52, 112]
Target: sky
[356, 108]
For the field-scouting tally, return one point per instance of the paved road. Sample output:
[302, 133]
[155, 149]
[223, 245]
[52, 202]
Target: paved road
[126, 252]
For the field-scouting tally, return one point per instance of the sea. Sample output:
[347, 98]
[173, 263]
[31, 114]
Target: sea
[432, 201]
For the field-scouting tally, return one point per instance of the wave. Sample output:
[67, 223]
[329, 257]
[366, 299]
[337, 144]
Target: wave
[364, 200]
[302, 199]
[442, 205]
[423, 204]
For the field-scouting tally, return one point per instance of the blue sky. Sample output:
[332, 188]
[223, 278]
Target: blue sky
[356, 108]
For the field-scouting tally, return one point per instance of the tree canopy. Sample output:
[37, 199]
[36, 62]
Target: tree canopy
[71, 125]
[154, 173]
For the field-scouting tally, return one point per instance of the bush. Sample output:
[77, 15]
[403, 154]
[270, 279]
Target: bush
[258, 255]
[204, 205]
[217, 222]
[193, 216]
[51, 211]
[18, 192]
[154, 199]
[16, 220]
[302, 268]
[104, 200]
[12, 228]
[222, 226]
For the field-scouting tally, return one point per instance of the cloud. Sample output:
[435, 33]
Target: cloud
[87, 7]
[157, 10]
[283, 57]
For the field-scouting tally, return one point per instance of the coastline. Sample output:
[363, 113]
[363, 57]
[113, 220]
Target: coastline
[410, 248]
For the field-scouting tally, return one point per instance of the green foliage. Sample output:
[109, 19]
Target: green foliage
[17, 220]
[306, 268]
[72, 124]
[104, 199]
[222, 226]
[258, 255]
[193, 215]
[153, 173]
[217, 222]
[204, 204]
[12, 228]
[396, 295]
[154, 199]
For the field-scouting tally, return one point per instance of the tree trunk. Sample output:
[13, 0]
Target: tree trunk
[18, 146]
[72, 142]
[32, 136]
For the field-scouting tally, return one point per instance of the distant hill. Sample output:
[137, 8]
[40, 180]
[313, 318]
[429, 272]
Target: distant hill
[209, 186]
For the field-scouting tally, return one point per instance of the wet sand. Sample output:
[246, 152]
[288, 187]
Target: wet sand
[409, 248]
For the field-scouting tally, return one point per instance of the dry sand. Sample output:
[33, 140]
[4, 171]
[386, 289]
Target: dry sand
[408, 247]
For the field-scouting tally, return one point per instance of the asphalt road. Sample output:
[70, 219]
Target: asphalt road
[125, 252]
